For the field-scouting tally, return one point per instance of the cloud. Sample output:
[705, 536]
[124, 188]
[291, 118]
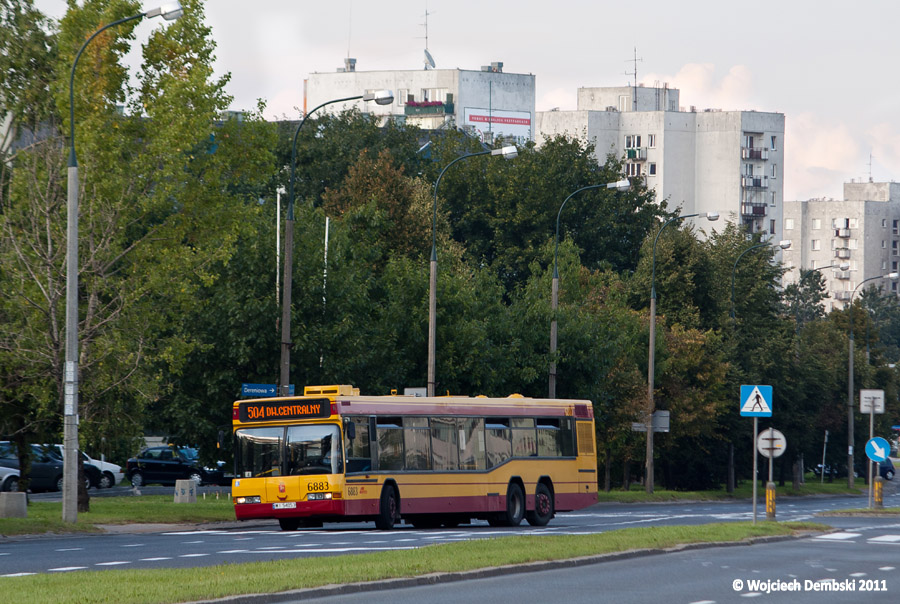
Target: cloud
[884, 141]
[700, 87]
[562, 98]
[819, 155]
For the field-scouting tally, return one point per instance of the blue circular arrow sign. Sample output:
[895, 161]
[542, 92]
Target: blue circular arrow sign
[878, 449]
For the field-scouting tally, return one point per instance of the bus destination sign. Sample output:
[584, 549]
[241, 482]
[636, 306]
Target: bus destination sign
[278, 410]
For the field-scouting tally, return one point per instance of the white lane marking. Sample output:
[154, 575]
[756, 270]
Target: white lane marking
[704, 602]
[858, 574]
[837, 536]
[234, 551]
[192, 555]
[133, 545]
[116, 563]
[18, 575]
[885, 539]
[63, 569]
[69, 549]
[752, 594]
[326, 550]
[155, 559]
[886, 568]
[244, 539]
[191, 542]
[7, 553]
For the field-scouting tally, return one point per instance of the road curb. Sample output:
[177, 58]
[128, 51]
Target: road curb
[481, 573]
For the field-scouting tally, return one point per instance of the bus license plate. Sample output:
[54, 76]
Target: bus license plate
[287, 505]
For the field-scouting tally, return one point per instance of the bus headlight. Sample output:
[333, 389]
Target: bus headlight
[251, 499]
[318, 496]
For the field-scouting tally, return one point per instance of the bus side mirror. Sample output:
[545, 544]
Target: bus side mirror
[221, 439]
[351, 430]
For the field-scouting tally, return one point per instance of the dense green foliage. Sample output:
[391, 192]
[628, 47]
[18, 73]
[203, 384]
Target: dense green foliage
[179, 268]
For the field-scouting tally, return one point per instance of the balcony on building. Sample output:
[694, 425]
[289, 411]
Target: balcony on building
[761, 153]
[755, 182]
[636, 153]
[842, 252]
[429, 107]
[753, 208]
[843, 275]
[842, 233]
[842, 295]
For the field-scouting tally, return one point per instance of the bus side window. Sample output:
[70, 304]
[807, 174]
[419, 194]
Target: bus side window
[524, 440]
[359, 456]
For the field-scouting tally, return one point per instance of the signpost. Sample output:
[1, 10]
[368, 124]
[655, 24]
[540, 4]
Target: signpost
[871, 402]
[262, 390]
[756, 402]
[771, 443]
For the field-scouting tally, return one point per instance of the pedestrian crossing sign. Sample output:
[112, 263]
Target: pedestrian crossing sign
[756, 401]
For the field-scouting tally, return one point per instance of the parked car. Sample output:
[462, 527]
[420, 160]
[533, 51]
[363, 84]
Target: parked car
[46, 467]
[886, 469]
[110, 473]
[166, 464]
[9, 479]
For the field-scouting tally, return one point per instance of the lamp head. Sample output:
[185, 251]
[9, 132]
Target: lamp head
[711, 216]
[844, 266]
[785, 244]
[381, 97]
[168, 11]
[892, 276]
[620, 185]
[510, 152]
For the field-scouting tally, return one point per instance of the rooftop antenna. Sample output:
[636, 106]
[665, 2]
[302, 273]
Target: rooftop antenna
[429, 60]
[870, 167]
[635, 60]
[349, 26]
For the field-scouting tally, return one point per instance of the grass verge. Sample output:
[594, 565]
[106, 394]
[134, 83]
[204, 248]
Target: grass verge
[181, 585]
[46, 517]
[812, 486]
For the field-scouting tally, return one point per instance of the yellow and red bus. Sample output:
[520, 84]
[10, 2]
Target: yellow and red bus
[335, 455]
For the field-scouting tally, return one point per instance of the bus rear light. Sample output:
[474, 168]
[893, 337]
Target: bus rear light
[318, 496]
[235, 414]
[251, 499]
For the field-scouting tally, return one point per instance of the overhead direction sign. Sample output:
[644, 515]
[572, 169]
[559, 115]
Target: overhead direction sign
[871, 401]
[878, 449]
[756, 401]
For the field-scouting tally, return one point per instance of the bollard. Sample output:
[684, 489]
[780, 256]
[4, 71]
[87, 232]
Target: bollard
[185, 491]
[879, 493]
[13, 505]
[770, 501]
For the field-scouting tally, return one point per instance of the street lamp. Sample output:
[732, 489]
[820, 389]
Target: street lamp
[381, 97]
[619, 185]
[784, 244]
[850, 439]
[169, 12]
[651, 365]
[510, 152]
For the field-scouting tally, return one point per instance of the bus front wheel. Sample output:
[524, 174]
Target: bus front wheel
[387, 514]
[543, 506]
[289, 524]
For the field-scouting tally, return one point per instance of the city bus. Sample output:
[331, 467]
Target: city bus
[335, 455]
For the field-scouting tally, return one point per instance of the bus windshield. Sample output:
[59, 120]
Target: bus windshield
[294, 450]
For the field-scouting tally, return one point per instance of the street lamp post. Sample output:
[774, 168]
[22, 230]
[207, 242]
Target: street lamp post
[651, 361]
[620, 185]
[509, 152]
[850, 436]
[169, 12]
[785, 244]
[381, 97]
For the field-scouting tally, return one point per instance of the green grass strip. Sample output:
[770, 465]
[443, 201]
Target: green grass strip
[181, 585]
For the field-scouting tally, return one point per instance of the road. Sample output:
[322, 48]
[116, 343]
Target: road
[264, 541]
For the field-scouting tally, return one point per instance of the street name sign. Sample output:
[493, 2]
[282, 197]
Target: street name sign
[878, 449]
[756, 401]
[263, 390]
[771, 443]
[871, 401]
[660, 423]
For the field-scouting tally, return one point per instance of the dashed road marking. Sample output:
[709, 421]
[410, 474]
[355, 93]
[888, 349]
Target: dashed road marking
[63, 569]
[115, 563]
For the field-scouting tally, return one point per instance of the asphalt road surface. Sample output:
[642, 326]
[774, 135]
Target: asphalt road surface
[158, 547]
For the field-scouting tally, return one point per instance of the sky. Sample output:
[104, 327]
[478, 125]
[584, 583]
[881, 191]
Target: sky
[828, 66]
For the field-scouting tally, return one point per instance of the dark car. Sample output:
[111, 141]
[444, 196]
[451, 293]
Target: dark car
[886, 469]
[46, 467]
[167, 464]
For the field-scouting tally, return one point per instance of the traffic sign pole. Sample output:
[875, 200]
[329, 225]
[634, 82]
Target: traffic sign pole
[770, 486]
[755, 465]
[869, 461]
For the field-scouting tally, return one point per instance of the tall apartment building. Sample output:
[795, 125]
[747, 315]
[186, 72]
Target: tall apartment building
[488, 103]
[863, 229]
[729, 162]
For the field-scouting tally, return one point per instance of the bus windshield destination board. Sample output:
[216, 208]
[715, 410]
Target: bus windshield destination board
[280, 410]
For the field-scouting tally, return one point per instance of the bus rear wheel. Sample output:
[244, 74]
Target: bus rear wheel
[289, 524]
[388, 508]
[543, 506]
[515, 508]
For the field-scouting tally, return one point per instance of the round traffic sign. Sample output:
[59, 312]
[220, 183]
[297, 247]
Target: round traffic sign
[878, 449]
[771, 443]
